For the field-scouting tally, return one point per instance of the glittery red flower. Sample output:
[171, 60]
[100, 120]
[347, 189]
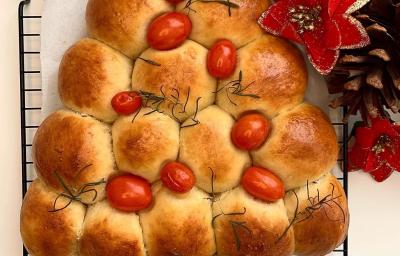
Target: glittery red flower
[323, 26]
[377, 149]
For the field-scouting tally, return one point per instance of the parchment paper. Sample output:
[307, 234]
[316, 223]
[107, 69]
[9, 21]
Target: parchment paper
[63, 23]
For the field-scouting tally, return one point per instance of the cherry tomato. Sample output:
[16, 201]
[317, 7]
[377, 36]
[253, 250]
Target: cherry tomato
[250, 131]
[221, 59]
[169, 31]
[129, 193]
[126, 103]
[177, 177]
[263, 184]
[175, 1]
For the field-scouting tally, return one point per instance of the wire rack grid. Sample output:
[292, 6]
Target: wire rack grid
[31, 93]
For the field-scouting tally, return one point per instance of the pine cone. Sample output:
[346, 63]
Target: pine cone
[369, 78]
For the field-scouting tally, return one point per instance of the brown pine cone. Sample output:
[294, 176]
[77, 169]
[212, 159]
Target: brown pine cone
[369, 78]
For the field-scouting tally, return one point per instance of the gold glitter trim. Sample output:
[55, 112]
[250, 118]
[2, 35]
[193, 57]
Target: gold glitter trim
[366, 41]
[260, 22]
[322, 71]
[356, 6]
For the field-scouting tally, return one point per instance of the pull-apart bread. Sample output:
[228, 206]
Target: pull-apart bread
[155, 152]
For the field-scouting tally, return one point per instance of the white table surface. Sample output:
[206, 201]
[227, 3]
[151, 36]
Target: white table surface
[374, 208]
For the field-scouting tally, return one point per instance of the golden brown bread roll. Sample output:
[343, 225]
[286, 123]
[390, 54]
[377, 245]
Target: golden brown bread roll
[122, 24]
[182, 69]
[251, 227]
[211, 21]
[73, 149]
[322, 219]
[273, 70]
[302, 146]
[90, 74]
[207, 148]
[50, 233]
[144, 145]
[110, 232]
[178, 224]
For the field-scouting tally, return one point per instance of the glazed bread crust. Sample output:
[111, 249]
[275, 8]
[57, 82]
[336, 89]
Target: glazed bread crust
[182, 74]
[90, 74]
[211, 21]
[74, 148]
[122, 24]
[107, 231]
[262, 228]
[321, 231]
[50, 233]
[178, 224]
[302, 146]
[143, 146]
[207, 149]
[275, 73]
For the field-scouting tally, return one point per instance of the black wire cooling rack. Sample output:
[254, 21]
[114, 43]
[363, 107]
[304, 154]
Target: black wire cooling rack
[30, 95]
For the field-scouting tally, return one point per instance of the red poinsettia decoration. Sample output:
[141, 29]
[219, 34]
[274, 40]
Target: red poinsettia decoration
[376, 149]
[323, 26]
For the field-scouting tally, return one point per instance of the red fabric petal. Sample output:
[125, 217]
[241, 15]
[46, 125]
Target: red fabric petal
[392, 154]
[396, 127]
[270, 24]
[309, 3]
[321, 58]
[366, 137]
[371, 163]
[357, 157]
[353, 34]
[350, 6]
[395, 161]
[382, 173]
[332, 37]
[289, 32]
[276, 21]
[275, 18]
[383, 126]
[339, 6]
[332, 6]
[323, 42]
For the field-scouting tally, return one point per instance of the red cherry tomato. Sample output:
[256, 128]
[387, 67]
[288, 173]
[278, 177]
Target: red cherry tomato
[175, 1]
[250, 131]
[177, 177]
[221, 59]
[263, 184]
[169, 31]
[126, 103]
[129, 193]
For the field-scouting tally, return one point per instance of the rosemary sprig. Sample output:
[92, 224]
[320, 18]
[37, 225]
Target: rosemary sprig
[228, 214]
[153, 100]
[81, 171]
[194, 118]
[236, 88]
[227, 3]
[172, 101]
[291, 223]
[213, 196]
[235, 225]
[151, 62]
[74, 195]
[315, 203]
[136, 114]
